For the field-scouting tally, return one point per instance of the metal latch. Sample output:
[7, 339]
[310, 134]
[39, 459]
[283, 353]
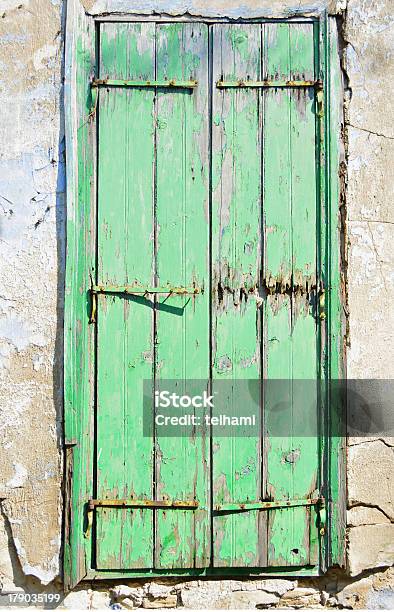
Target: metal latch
[322, 304]
[320, 98]
[322, 510]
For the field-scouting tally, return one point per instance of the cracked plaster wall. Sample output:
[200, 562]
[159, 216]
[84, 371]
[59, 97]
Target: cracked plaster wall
[32, 201]
[369, 64]
[32, 234]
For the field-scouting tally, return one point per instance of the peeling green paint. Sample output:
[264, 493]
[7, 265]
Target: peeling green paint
[154, 226]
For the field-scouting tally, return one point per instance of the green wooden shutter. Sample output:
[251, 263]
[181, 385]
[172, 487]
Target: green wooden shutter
[152, 231]
[264, 235]
[209, 266]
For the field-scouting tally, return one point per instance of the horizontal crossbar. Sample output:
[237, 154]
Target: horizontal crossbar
[149, 503]
[266, 84]
[319, 502]
[267, 505]
[145, 289]
[143, 503]
[171, 83]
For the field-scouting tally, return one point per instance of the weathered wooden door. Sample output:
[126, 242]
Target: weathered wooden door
[208, 268]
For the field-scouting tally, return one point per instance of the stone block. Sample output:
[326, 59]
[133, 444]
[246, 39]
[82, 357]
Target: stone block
[270, 586]
[159, 590]
[363, 515]
[301, 598]
[244, 600]
[128, 603]
[164, 601]
[122, 592]
[380, 600]
[354, 594]
[371, 476]
[370, 546]
[280, 587]
[209, 594]
[100, 600]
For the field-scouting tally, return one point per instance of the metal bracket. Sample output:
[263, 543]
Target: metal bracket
[267, 505]
[170, 83]
[135, 503]
[143, 503]
[277, 84]
[240, 83]
[318, 502]
[127, 290]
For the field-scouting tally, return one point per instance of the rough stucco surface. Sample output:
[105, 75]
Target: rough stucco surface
[369, 63]
[32, 200]
[219, 8]
[370, 66]
[31, 247]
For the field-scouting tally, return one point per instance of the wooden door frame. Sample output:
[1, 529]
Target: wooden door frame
[79, 339]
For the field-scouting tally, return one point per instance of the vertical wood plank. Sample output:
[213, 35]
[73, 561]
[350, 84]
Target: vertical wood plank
[277, 272]
[336, 445]
[290, 201]
[182, 332]
[236, 255]
[81, 247]
[305, 352]
[125, 324]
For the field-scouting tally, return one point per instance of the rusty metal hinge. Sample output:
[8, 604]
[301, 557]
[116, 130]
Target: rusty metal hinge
[267, 505]
[146, 289]
[136, 290]
[244, 83]
[136, 503]
[143, 503]
[318, 502]
[165, 83]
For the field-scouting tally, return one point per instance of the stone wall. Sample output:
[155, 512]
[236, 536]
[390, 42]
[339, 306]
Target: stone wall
[32, 235]
[333, 591]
